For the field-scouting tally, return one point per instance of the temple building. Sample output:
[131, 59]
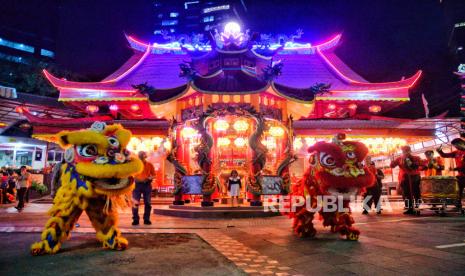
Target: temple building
[302, 92]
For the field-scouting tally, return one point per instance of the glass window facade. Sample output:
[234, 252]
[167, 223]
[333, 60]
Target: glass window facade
[13, 58]
[216, 8]
[210, 18]
[17, 46]
[47, 53]
[24, 157]
[169, 22]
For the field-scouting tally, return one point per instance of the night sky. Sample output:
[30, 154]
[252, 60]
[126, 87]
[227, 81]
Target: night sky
[383, 40]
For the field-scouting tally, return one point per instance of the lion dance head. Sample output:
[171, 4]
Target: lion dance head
[338, 169]
[100, 157]
[335, 170]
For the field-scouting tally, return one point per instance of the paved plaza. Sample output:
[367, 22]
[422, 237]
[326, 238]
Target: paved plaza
[391, 243]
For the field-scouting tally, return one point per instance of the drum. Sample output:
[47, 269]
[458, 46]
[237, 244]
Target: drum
[439, 187]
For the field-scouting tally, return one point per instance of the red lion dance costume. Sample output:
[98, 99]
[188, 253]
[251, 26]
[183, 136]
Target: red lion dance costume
[335, 169]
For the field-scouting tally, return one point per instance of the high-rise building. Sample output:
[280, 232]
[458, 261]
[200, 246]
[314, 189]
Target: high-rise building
[454, 15]
[187, 17]
[457, 41]
[30, 36]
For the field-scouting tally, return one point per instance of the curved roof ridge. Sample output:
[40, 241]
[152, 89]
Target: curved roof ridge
[107, 82]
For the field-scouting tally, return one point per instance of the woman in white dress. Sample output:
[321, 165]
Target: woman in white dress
[234, 187]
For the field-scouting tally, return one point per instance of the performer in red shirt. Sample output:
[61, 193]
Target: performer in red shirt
[459, 156]
[409, 177]
[433, 165]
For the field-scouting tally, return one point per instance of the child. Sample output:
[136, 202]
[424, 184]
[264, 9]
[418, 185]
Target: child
[234, 187]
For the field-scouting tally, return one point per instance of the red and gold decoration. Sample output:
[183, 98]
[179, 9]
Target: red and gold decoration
[335, 170]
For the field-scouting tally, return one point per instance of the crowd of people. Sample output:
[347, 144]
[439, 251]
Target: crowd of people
[15, 186]
[410, 168]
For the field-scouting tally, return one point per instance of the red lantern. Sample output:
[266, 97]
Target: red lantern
[353, 106]
[19, 109]
[374, 108]
[135, 107]
[92, 109]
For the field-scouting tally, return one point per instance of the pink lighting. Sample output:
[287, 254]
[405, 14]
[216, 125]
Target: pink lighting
[325, 44]
[55, 82]
[331, 106]
[147, 52]
[113, 107]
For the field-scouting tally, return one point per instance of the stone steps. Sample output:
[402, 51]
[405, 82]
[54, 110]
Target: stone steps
[186, 211]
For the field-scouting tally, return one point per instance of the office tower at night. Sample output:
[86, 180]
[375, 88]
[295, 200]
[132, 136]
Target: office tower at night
[199, 16]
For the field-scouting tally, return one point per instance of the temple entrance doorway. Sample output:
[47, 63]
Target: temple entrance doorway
[231, 150]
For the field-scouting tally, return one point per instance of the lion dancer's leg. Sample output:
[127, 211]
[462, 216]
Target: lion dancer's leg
[57, 228]
[303, 224]
[303, 221]
[104, 223]
[342, 222]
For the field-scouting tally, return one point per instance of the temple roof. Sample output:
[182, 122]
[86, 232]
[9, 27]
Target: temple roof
[304, 65]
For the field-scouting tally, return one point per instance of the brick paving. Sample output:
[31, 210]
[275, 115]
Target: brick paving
[390, 244]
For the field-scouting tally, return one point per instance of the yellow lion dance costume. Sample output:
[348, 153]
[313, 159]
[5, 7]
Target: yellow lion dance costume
[96, 178]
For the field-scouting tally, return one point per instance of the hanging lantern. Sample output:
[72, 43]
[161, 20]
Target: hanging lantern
[167, 145]
[240, 142]
[19, 109]
[135, 107]
[271, 144]
[221, 125]
[310, 141]
[156, 141]
[146, 145]
[276, 131]
[374, 108]
[298, 144]
[353, 106]
[133, 144]
[188, 132]
[241, 125]
[224, 142]
[92, 109]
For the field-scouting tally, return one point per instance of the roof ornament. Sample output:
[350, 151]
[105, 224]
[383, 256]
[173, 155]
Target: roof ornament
[187, 71]
[232, 38]
[320, 88]
[272, 71]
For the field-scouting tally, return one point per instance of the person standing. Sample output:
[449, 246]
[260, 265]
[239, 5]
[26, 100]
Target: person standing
[459, 157]
[24, 181]
[55, 181]
[434, 165]
[374, 192]
[234, 187]
[409, 177]
[143, 188]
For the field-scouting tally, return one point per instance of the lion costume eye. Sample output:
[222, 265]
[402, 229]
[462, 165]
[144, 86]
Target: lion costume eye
[113, 142]
[351, 155]
[87, 150]
[327, 160]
